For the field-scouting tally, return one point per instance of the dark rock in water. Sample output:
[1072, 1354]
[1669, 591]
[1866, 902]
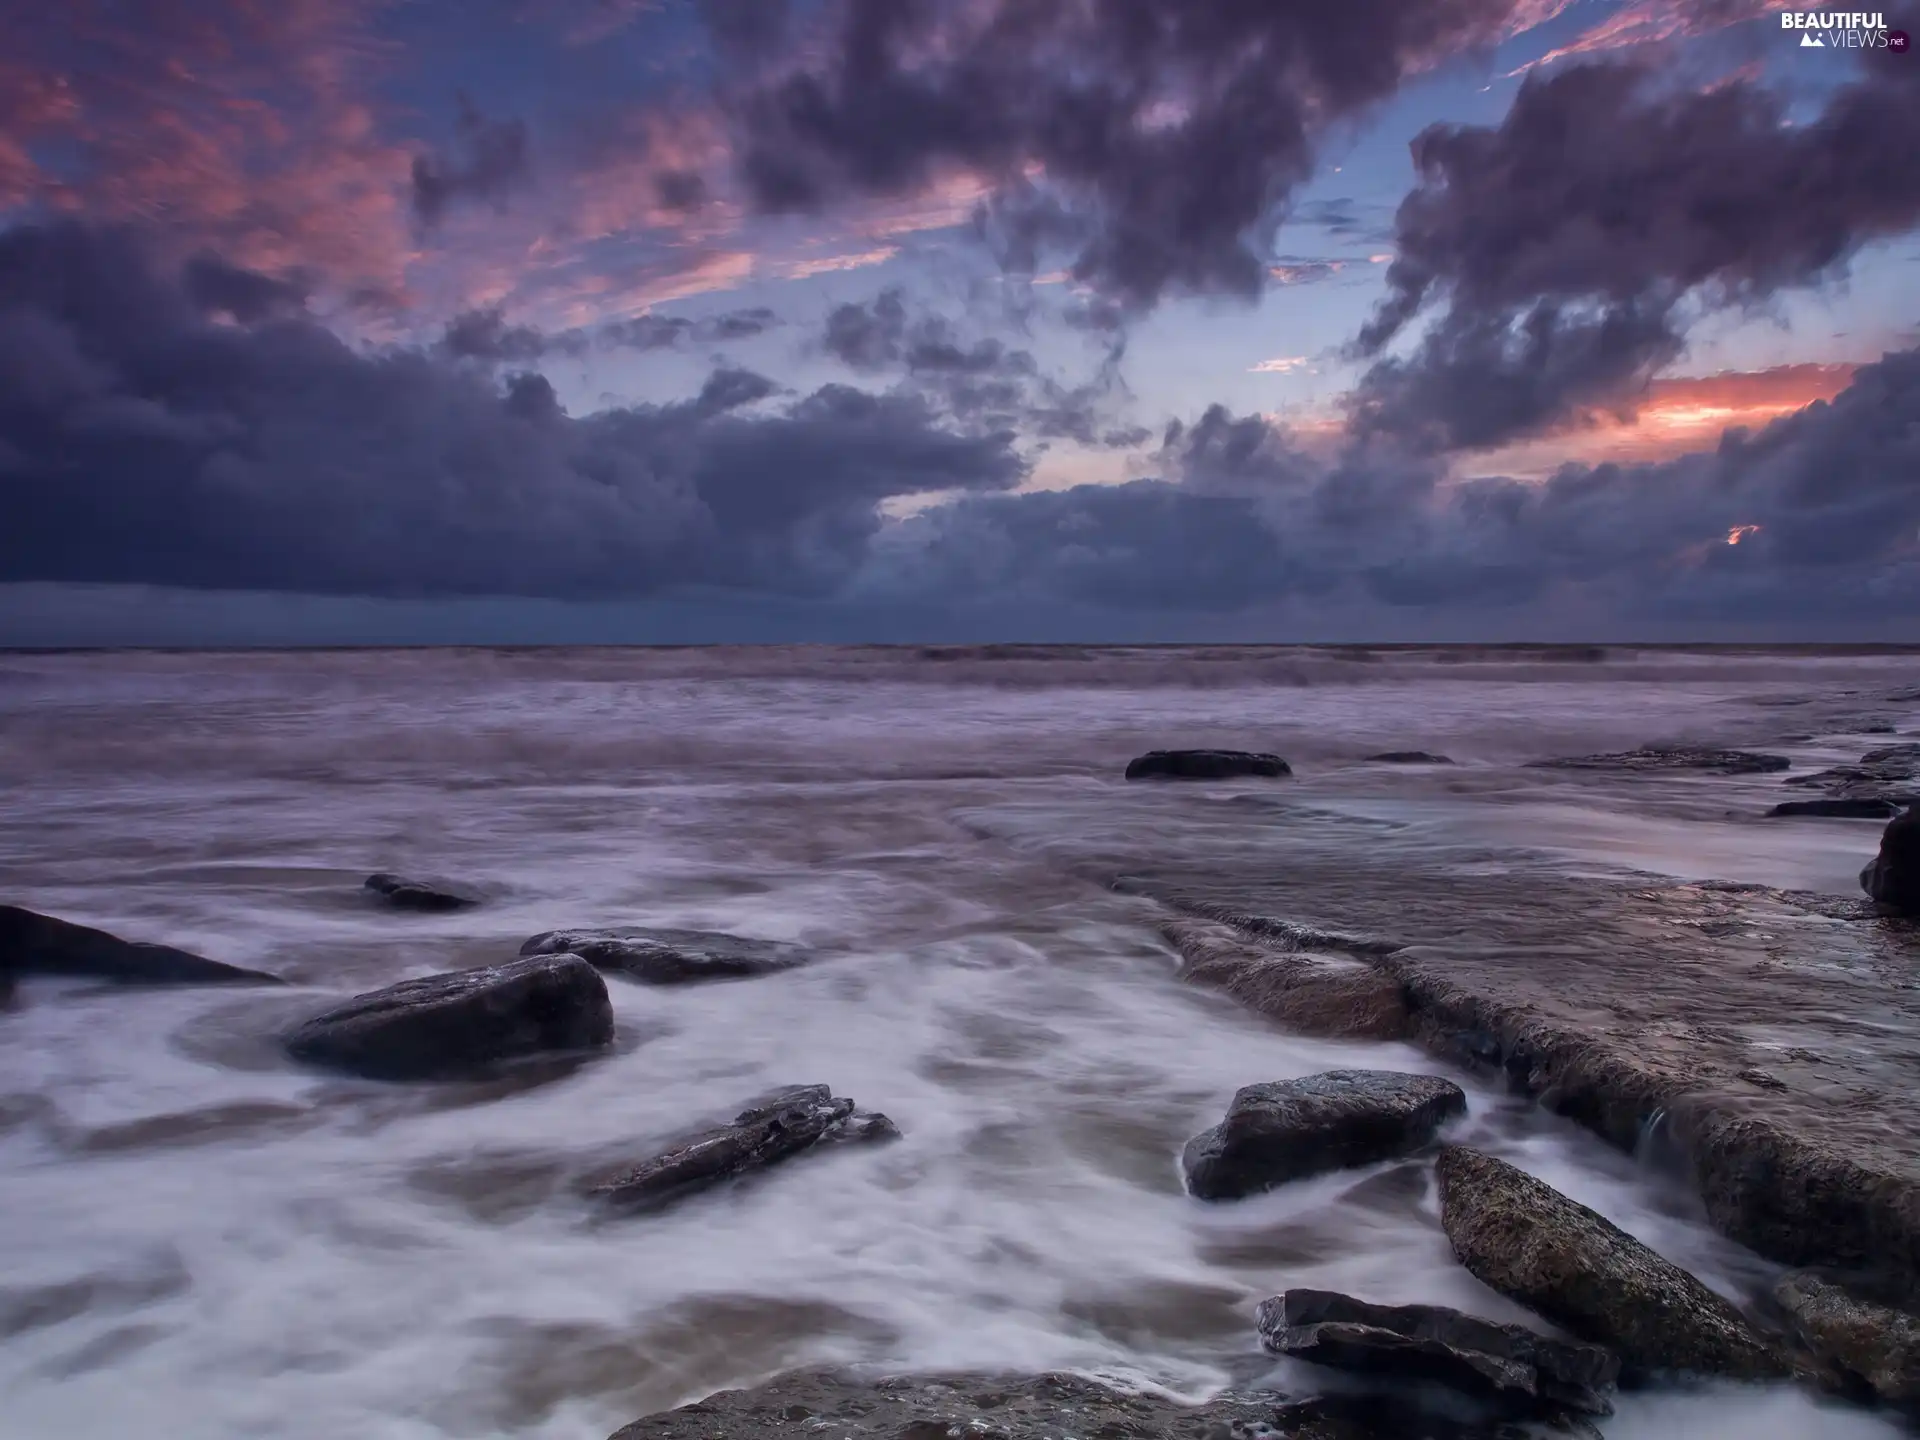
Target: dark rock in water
[1204, 765]
[1660, 758]
[1291, 1129]
[1408, 757]
[405, 894]
[1838, 809]
[1036, 1407]
[1891, 772]
[35, 944]
[671, 957]
[1313, 993]
[771, 1129]
[1893, 879]
[1507, 1363]
[1870, 1347]
[1557, 1257]
[443, 1026]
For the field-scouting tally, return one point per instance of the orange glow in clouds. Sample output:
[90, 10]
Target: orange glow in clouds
[1740, 532]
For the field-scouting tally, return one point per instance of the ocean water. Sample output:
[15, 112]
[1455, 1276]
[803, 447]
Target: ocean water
[203, 1240]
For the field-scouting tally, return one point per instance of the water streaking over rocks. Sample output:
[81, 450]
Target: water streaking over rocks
[209, 1238]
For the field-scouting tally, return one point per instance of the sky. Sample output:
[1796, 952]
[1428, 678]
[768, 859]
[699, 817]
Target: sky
[917, 321]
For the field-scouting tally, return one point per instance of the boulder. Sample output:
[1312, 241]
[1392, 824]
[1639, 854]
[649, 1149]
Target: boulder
[1868, 1347]
[1893, 878]
[1291, 1129]
[1873, 809]
[1408, 757]
[771, 1129]
[1552, 1254]
[671, 957]
[1653, 759]
[404, 894]
[1506, 1363]
[35, 944]
[442, 1026]
[1204, 765]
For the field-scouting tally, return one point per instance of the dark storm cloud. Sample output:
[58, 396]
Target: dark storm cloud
[667, 332]
[1571, 244]
[485, 335]
[142, 442]
[222, 289]
[1153, 140]
[1242, 517]
[489, 160]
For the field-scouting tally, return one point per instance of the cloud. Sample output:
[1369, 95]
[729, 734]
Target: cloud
[141, 442]
[664, 332]
[1281, 365]
[1566, 272]
[489, 160]
[1155, 143]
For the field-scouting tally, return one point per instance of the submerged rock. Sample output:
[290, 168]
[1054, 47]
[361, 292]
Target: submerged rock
[1673, 757]
[671, 957]
[1869, 1346]
[1291, 1129]
[1838, 809]
[1204, 765]
[36, 944]
[1507, 1363]
[404, 894]
[1408, 757]
[1893, 878]
[771, 1129]
[1555, 1256]
[443, 1026]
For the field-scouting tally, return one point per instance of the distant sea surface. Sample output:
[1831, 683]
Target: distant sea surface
[203, 1241]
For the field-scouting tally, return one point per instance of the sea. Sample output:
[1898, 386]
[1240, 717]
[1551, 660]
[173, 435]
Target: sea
[202, 1240]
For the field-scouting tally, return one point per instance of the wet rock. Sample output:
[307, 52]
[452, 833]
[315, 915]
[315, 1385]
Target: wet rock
[1557, 1257]
[404, 894]
[671, 957]
[1506, 1363]
[1204, 765]
[1291, 1129]
[771, 1129]
[1408, 757]
[1871, 1347]
[1890, 773]
[1653, 759]
[454, 1024]
[35, 944]
[1893, 879]
[1036, 1407]
[1871, 809]
[1312, 993]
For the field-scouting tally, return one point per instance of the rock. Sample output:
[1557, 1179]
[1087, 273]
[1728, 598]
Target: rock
[671, 957]
[454, 1024]
[816, 1406]
[771, 1129]
[1891, 772]
[1672, 757]
[1870, 1346]
[1408, 757]
[1291, 1129]
[35, 944]
[1838, 809]
[1557, 1257]
[404, 894]
[1204, 765]
[1507, 1363]
[1893, 879]
[1316, 994]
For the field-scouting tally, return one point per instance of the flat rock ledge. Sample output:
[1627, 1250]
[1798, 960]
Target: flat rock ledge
[1863, 1347]
[36, 944]
[1892, 879]
[770, 1130]
[830, 1406]
[1837, 809]
[445, 1026]
[671, 957]
[1654, 759]
[1408, 757]
[1292, 1129]
[1205, 765]
[1563, 1261]
[1317, 994]
[1890, 773]
[1522, 1370]
[426, 896]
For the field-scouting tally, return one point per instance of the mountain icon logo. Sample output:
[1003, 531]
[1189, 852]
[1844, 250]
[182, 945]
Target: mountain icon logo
[1812, 42]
